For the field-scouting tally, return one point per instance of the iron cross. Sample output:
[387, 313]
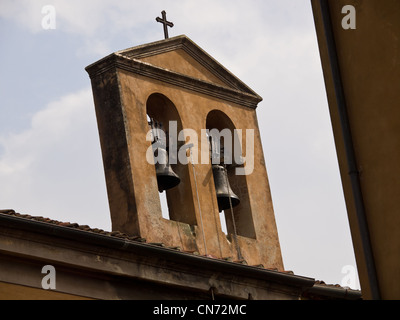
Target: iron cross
[165, 23]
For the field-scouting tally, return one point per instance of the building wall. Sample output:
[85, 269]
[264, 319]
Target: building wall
[369, 63]
[98, 265]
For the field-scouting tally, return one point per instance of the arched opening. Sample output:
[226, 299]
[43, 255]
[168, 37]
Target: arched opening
[231, 189]
[176, 199]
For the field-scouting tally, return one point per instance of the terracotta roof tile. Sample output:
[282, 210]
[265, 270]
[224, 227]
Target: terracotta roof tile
[118, 234]
[121, 235]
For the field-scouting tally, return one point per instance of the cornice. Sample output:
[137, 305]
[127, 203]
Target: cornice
[202, 57]
[119, 61]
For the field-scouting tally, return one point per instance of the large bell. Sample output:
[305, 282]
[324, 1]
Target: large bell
[223, 189]
[166, 177]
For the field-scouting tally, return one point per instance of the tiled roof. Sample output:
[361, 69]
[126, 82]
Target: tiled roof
[120, 235]
[87, 228]
[115, 234]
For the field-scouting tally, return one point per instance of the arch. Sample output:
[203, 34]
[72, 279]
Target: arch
[179, 199]
[218, 120]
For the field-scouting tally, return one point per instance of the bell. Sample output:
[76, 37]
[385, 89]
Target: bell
[223, 189]
[166, 177]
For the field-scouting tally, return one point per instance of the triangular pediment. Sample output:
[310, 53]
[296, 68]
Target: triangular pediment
[181, 62]
[182, 56]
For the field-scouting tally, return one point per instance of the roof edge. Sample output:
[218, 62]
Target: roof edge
[190, 47]
[123, 244]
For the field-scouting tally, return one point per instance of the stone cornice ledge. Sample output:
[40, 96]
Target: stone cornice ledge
[117, 61]
[192, 49]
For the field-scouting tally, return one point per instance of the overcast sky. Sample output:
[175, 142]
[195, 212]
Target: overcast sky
[50, 157]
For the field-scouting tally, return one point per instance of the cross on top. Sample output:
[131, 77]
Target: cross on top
[165, 23]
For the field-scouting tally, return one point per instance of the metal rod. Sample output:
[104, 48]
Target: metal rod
[198, 200]
[233, 217]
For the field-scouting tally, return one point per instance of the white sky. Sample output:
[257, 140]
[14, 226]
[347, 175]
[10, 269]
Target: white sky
[50, 157]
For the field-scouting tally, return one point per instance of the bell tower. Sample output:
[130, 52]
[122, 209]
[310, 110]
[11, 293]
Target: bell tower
[174, 122]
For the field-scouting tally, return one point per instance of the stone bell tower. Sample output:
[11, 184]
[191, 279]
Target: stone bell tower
[169, 100]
